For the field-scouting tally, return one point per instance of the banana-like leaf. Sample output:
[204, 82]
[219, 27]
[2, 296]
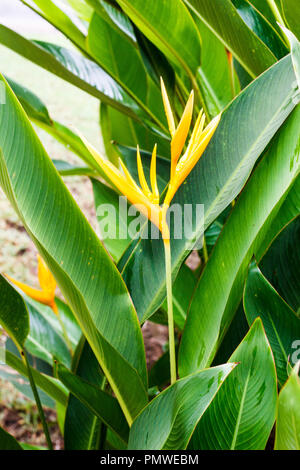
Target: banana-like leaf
[88, 279]
[170, 27]
[49, 385]
[295, 50]
[72, 67]
[281, 324]
[225, 22]
[43, 341]
[183, 289]
[214, 76]
[219, 291]
[261, 27]
[113, 215]
[288, 414]
[176, 411]
[104, 406]
[281, 264]
[246, 127]
[8, 442]
[291, 10]
[23, 386]
[113, 54]
[14, 317]
[82, 429]
[71, 325]
[38, 113]
[242, 414]
[114, 16]
[64, 19]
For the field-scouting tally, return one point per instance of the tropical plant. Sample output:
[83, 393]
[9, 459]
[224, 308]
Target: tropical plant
[236, 342]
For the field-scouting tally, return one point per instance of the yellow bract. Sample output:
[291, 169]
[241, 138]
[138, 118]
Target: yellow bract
[146, 200]
[47, 282]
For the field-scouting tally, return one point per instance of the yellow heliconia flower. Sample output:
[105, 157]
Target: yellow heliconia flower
[47, 282]
[146, 199]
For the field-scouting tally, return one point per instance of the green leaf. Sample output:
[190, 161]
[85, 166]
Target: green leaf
[261, 27]
[82, 428]
[247, 126]
[85, 273]
[72, 67]
[23, 386]
[108, 201]
[8, 442]
[295, 50]
[291, 10]
[48, 384]
[280, 322]
[183, 289]
[220, 288]
[99, 402]
[64, 19]
[225, 22]
[43, 341]
[242, 414]
[13, 313]
[170, 27]
[288, 414]
[102, 45]
[176, 411]
[281, 264]
[214, 74]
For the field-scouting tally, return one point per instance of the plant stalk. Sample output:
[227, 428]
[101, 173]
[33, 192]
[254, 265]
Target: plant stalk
[38, 401]
[170, 311]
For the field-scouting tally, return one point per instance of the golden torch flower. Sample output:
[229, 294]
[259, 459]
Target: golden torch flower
[146, 199]
[47, 282]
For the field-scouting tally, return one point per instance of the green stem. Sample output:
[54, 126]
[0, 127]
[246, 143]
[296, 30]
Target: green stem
[205, 252]
[38, 401]
[170, 311]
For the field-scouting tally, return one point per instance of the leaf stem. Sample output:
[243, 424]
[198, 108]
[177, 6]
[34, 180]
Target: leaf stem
[205, 252]
[170, 311]
[38, 401]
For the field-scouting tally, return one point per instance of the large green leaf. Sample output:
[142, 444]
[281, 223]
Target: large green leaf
[214, 76]
[87, 277]
[261, 27]
[104, 406]
[114, 53]
[72, 67]
[49, 385]
[288, 414]
[281, 264]
[8, 442]
[43, 341]
[291, 10]
[280, 322]
[63, 19]
[176, 411]
[170, 27]
[82, 428]
[246, 127]
[225, 22]
[242, 414]
[14, 316]
[220, 288]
